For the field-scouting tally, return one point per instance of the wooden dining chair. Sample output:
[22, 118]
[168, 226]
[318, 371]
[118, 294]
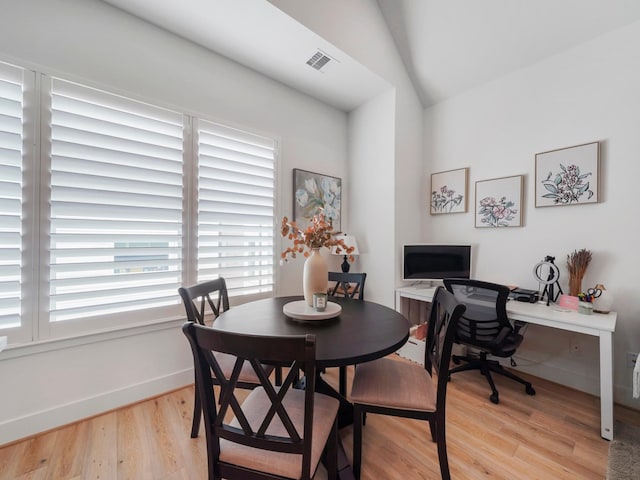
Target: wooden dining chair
[351, 286]
[204, 301]
[396, 387]
[276, 432]
[347, 284]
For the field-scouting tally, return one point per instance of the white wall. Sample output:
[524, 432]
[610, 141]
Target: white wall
[394, 181]
[97, 43]
[589, 93]
[371, 155]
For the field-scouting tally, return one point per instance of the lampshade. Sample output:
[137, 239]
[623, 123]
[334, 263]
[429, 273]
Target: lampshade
[349, 241]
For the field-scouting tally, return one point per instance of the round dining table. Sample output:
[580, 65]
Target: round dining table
[363, 331]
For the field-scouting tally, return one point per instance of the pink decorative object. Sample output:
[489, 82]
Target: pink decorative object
[569, 301]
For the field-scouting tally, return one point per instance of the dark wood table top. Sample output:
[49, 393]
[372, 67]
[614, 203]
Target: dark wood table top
[362, 332]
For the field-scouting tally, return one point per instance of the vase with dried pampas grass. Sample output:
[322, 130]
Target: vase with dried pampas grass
[577, 263]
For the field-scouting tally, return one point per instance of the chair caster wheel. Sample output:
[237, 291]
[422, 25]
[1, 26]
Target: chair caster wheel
[494, 398]
[530, 391]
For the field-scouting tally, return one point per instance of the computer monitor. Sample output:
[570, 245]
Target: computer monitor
[433, 262]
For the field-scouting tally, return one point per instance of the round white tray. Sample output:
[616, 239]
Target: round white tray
[300, 310]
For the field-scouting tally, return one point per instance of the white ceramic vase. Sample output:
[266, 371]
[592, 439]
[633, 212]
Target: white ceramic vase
[604, 303]
[315, 276]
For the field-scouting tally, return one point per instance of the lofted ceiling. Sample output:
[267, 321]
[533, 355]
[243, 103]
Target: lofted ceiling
[262, 37]
[448, 46]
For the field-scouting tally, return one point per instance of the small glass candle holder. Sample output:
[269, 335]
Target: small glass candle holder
[319, 301]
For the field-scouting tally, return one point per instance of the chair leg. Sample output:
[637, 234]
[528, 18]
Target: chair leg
[357, 440]
[432, 427]
[465, 367]
[486, 371]
[278, 376]
[197, 413]
[332, 452]
[503, 371]
[487, 366]
[442, 448]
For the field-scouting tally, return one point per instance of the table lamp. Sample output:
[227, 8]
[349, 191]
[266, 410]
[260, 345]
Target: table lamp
[349, 241]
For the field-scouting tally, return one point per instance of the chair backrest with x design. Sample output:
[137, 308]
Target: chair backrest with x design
[212, 293]
[271, 421]
[210, 299]
[348, 285]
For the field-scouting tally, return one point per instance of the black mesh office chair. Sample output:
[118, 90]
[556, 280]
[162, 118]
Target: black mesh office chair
[486, 327]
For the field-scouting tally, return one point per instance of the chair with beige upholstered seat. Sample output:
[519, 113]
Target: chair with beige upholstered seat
[395, 387]
[196, 299]
[276, 432]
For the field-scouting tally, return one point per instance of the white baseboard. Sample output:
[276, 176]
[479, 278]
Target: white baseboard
[22, 427]
[414, 351]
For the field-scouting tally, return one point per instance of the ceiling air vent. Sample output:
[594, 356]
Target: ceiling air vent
[318, 60]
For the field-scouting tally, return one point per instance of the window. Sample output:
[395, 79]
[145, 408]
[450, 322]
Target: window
[235, 208]
[99, 217]
[116, 204]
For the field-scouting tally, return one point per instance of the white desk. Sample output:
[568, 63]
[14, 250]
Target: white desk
[598, 325]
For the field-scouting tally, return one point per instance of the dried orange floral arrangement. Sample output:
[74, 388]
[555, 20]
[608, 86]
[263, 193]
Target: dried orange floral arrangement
[318, 234]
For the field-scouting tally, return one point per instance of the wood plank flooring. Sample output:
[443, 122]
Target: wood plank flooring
[552, 435]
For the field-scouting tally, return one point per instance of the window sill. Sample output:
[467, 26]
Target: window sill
[32, 348]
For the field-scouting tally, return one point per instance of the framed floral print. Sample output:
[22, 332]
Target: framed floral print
[499, 202]
[315, 192]
[568, 176]
[449, 191]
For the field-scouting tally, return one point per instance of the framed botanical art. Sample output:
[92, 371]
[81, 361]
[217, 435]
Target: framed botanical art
[499, 202]
[568, 176]
[315, 192]
[449, 191]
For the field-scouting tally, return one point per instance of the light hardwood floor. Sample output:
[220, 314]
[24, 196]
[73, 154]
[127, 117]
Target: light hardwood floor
[552, 435]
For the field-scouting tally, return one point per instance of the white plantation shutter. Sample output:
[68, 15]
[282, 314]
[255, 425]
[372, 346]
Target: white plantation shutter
[103, 199]
[235, 208]
[11, 121]
[116, 204]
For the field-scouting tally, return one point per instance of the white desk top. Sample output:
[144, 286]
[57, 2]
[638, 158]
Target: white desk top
[538, 313]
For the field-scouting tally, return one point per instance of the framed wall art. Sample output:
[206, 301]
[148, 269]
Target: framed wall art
[449, 191]
[499, 202]
[568, 176]
[315, 192]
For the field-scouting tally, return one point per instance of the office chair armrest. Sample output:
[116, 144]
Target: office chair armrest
[500, 338]
[520, 327]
